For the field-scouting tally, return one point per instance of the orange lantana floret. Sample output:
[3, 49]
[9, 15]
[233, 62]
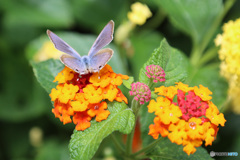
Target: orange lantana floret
[65, 75]
[168, 92]
[203, 92]
[186, 115]
[81, 98]
[99, 110]
[63, 112]
[82, 120]
[110, 92]
[120, 97]
[171, 114]
[178, 132]
[158, 128]
[92, 94]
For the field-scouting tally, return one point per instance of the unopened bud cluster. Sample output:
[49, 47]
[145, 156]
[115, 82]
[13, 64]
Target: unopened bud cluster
[141, 92]
[156, 73]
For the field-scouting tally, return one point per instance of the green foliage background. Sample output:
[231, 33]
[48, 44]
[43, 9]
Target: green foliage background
[24, 104]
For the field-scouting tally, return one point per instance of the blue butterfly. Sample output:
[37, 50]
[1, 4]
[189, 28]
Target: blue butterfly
[97, 57]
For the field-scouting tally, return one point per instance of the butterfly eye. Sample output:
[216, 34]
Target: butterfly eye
[100, 66]
[76, 70]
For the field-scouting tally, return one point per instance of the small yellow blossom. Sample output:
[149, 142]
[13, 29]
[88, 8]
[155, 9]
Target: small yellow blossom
[169, 92]
[140, 13]
[184, 87]
[123, 31]
[47, 51]
[203, 92]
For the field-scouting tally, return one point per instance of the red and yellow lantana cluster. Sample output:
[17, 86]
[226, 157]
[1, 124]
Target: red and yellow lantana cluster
[78, 99]
[189, 121]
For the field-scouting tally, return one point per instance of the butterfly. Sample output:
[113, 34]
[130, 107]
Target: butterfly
[97, 57]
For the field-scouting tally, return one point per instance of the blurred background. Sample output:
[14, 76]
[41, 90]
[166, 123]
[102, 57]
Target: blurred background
[28, 127]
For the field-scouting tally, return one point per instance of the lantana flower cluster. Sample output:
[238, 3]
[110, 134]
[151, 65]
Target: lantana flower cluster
[78, 99]
[141, 92]
[229, 54]
[189, 120]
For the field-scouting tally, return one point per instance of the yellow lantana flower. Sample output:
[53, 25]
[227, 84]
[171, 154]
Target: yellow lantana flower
[139, 14]
[229, 54]
[47, 51]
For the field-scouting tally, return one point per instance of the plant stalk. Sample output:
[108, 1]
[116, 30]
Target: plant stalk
[117, 143]
[135, 107]
[148, 147]
[198, 49]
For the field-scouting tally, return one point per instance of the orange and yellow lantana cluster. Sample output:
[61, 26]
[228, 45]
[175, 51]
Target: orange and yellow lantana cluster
[189, 121]
[81, 98]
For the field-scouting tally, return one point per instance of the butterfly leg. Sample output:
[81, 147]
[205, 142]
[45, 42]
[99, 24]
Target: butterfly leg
[98, 74]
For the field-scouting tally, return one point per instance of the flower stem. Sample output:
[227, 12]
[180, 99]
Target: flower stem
[129, 142]
[228, 4]
[151, 84]
[210, 54]
[141, 157]
[135, 107]
[198, 48]
[148, 147]
[195, 54]
[117, 143]
[156, 20]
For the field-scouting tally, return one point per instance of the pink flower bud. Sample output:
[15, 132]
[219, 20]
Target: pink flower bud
[156, 73]
[141, 92]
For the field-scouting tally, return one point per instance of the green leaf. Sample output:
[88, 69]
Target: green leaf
[168, 150]
[19, 145]
[95, 13]
[193, 17]
[84, 144]
[143, 43]
[22, 98]
[127, 83]
[146, 119]
[39, 13]
[153, 95]
[209, 77]
[46, 72]
[53, 149]
[171, 60]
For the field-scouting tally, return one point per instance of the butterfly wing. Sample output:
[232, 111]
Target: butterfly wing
[61, 45]
[104, 38]
[100, 59]
[74, 63]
